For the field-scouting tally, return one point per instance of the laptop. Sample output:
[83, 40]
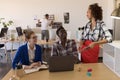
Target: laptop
[61, 63]
[3, 32]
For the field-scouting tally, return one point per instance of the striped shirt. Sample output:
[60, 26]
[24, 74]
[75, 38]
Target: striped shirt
[98, 33]
[70, 49]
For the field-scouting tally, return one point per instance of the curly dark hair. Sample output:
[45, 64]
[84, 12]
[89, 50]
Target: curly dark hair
[96, 11]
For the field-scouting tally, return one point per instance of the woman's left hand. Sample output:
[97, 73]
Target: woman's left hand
[35, 64]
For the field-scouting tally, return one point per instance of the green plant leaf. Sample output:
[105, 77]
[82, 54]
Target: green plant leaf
[2, 18]
[5, 24]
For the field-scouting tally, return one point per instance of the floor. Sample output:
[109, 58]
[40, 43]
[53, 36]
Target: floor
[5, 66]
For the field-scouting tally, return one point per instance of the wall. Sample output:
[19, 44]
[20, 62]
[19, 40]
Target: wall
[110, 9]
[22, 12]
[113, 23]
[117, 26]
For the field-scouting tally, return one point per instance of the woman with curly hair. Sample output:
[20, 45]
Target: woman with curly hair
[95, 33]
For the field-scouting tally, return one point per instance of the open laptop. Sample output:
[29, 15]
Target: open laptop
[3, 32]
[61, 63]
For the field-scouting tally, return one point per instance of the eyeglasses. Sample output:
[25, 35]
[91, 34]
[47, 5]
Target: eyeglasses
[34, 37]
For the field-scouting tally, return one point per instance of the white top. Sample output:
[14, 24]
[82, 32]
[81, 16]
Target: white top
[44, 24]
[31, 53]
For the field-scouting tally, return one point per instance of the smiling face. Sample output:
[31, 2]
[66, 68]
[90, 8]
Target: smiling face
[89, 15]
[30, 37]
[62, 35]
[33, 39]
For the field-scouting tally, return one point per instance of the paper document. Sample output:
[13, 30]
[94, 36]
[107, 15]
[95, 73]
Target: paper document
[42, 67]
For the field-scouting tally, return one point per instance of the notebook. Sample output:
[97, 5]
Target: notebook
[42, 67]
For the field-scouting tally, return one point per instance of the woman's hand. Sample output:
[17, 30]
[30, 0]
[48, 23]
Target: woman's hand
[92, 44]
[27, 67]
[35, 64]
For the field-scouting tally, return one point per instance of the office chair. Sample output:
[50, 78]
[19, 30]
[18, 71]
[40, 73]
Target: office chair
[111, 31]
[19, 31]
[3, 32]
[1, 46]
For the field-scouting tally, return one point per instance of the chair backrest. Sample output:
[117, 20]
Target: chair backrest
[1, 45]
[3, 31]
[111, 31]
[19, 31]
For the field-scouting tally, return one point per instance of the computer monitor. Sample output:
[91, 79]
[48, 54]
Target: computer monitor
[3, 32]
[19, 31]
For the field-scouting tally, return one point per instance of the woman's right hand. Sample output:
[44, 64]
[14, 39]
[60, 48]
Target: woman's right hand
[35, 64]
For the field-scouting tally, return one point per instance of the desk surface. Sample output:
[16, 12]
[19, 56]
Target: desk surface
[100, 72]
[43, 42]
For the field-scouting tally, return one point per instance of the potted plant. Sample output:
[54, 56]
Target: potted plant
[4, 23]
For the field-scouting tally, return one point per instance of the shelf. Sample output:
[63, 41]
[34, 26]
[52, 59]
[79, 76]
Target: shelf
[108, 60]
[111, 56]
[109, 50]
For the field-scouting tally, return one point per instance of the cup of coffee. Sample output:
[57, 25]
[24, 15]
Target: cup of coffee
[19, 71]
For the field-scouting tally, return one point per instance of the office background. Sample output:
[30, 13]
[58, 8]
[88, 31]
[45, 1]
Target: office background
[23, 12]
